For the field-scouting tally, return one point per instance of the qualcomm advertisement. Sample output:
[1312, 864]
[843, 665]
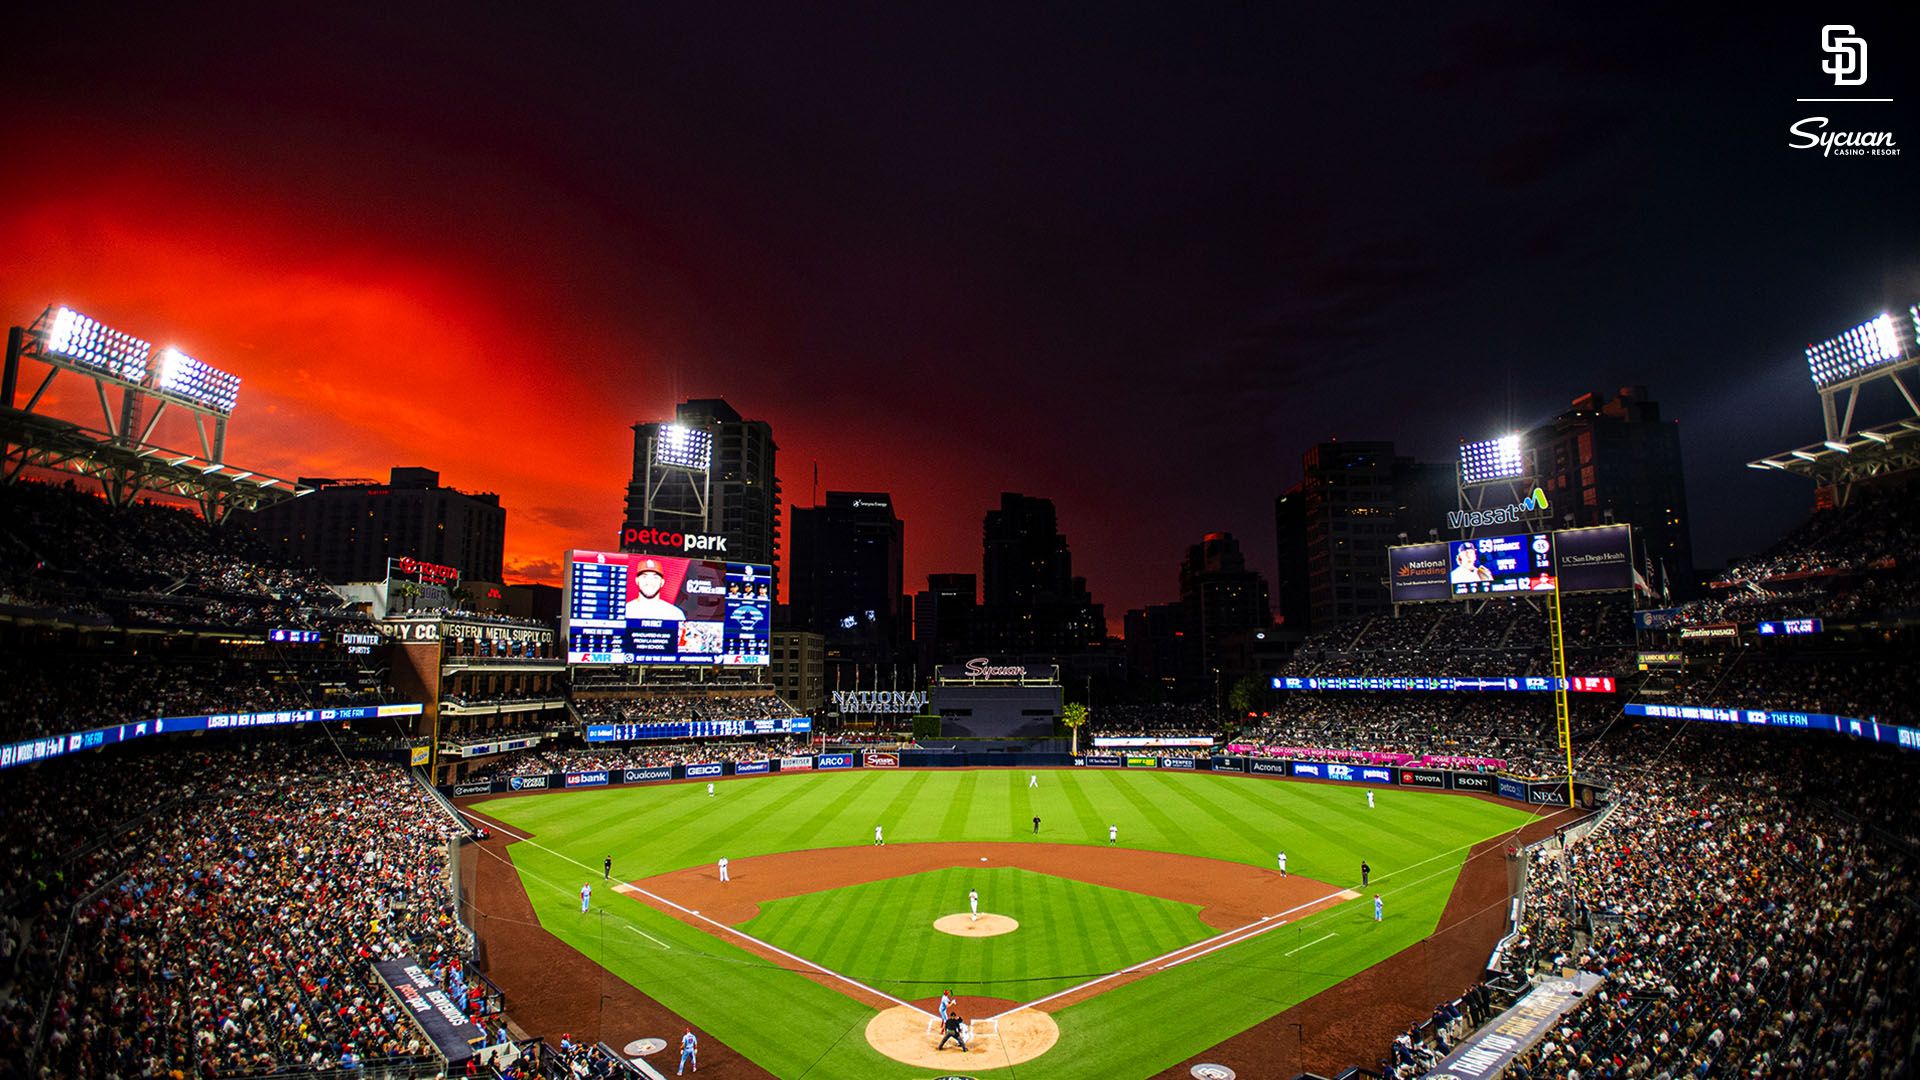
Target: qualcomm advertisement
[659, 609]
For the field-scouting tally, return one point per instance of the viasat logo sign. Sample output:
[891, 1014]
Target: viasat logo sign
[1532, 506]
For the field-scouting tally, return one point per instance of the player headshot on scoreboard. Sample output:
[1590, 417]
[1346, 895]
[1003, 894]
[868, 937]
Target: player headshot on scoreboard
[1466, 565]
[648, 579]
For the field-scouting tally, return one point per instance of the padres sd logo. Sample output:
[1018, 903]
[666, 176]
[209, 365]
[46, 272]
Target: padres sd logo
[1213, 1072]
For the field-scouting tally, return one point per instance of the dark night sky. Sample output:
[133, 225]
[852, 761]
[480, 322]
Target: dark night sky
[1133, 262]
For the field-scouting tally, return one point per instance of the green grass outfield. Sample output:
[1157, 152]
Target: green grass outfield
[794, 1027]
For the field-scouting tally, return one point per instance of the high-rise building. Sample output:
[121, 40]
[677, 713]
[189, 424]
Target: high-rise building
[1221, 598]
[1354, 500]
[743, 501]
[845, 561]
[348, 529]
[1615, 460]
[1034, 604]
[946, 619]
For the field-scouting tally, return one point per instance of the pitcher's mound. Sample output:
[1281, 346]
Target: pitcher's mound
[968, 926]
[909, 1035]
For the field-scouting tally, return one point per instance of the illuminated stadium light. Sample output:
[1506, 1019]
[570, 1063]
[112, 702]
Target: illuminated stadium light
[92, 344]
[1870, 345]
[1491, 459]
[197, 383]
[681, 447]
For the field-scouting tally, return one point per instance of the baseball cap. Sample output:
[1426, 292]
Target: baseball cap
[649, 566]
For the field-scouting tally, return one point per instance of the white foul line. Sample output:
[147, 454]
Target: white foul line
[646, 935]
[632, 889]
[1309, 944]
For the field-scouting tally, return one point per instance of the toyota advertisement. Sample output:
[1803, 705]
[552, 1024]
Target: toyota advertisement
[661, 609]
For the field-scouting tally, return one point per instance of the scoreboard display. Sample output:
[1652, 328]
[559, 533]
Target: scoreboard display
[1502, 564]
[657, 609]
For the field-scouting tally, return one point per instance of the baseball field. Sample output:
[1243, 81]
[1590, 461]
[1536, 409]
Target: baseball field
[1091, 956]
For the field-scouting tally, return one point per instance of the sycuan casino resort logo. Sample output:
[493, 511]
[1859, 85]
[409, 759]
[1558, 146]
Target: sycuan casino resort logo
[1844, 57]
[1533, 504]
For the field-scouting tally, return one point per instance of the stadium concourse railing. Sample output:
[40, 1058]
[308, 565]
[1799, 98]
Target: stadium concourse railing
[1534, 791]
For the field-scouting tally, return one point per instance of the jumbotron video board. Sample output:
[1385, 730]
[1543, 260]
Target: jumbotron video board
[658, 609]
[1598, 559]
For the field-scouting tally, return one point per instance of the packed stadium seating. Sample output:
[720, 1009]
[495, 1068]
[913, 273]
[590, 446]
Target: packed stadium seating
[227, 929]
[674, 708]
[555, 759]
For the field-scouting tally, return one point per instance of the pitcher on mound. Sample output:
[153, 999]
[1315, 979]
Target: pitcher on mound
[973, 901]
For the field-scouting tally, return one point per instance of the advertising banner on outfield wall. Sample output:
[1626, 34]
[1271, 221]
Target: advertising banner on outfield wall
[833, 761]
[472, 787]
[587, 779]
[1351, 774]
[526, 783]
[1270, 766]
[1228, 764]
[795, 764]
[748, 768]
[1547, 794]
[1176, 763]
[1425, 778]
[1473, 782]
[701, 770]
[641, 776]
[881, 760]
[1512, 789]
[1134, 761]
[1103, 761]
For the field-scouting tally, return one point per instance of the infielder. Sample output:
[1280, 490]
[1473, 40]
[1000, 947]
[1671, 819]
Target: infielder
[586, 894]
[973, 901]
[1369, 798]
[689, 1052]
[879, 838]
[1113, 834]
[1283, 864]
[723, 869]
[1377, 908]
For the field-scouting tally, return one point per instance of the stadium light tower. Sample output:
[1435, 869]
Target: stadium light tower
[1886, 349]
[1493, 474]
[678, 476]
[121, 454]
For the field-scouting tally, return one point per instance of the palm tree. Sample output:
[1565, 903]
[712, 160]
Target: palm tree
[1075, 717]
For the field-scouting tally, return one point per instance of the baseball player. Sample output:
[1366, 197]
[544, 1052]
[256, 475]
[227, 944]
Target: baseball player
[710, 793]
[946, 1002]
[879, 838]
[689, 1052]
[973, 901]
[606, 869]
[1369, 800]
[1365, 871]
[1036, 825]
[1033, 780]
[723, 869]
[1283, 864]
[1113, 834]
[1377, 908]
[586, 894]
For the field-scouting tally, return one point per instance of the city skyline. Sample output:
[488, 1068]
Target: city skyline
[1138, 281]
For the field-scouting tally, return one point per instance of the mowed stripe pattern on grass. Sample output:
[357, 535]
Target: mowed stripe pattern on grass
[1414, 840]
[882, 934]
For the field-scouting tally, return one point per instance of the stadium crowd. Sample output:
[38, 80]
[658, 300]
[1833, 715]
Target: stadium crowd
[230, 930]
[678, 708]
[44, 694]
[555, 759]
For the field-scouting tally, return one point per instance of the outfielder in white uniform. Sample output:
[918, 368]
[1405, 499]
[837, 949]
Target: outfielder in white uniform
[709, 791]
[1369, 800]
[723, 869]
[1033, 780]
[973, 901]
[1113, 834]
[1283, 864]
[879, 840]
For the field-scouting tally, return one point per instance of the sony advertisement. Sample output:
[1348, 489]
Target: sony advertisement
[660, 609]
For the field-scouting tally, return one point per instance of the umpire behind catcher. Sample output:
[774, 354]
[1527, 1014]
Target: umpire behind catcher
[953, 1031]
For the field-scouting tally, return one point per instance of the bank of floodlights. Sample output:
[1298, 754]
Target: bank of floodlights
[681, 447]
[197, 383]
[1873, 344]
[1492, 459]
[91, 344]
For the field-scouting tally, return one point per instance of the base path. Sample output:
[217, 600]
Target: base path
[969, 925]
[909, 1035]
[1228, 894]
